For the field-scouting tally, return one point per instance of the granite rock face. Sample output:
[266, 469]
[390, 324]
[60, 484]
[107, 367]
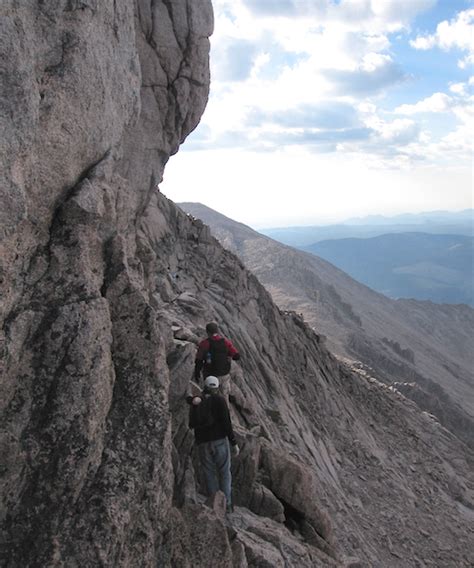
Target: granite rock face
[95, 98]
[106, 288]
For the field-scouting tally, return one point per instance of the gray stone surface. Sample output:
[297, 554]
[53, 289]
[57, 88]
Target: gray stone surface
[105, 286]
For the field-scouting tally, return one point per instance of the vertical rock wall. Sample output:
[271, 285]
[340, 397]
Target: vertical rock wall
[95, 98]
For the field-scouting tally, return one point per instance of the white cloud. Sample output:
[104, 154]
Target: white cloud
[454, 145]
[458, 88]
[401, 10]
[273, 54]
[464, 111]
[438, 102]
[459, 141]
[399, 131]
[348, 33]
[467, 62]
[455, 34]
[394, 143]
[298, 95]
[378, 15]
[373, 16]
[235, 59]
[424, 42]
[374, 73]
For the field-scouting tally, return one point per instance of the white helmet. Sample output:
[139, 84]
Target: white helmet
[211, 382]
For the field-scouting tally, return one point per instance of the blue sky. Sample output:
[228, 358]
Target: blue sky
[321, 110]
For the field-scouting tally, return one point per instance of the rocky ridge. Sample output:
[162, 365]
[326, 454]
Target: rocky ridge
[399, 341]
[106, 286]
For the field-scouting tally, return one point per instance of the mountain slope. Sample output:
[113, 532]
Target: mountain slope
[106, 287]
[403, 340]
[408, 265]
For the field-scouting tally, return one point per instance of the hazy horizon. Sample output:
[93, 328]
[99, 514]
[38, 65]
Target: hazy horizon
[347, 220]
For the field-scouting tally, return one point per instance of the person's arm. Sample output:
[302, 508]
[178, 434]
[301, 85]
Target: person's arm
[200, 358]
[231, 350]
[193, 402]
[224, 417]
[192, 414]
[197, 369]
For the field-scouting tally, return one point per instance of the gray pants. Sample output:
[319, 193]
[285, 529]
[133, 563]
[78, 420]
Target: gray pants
[215, 461]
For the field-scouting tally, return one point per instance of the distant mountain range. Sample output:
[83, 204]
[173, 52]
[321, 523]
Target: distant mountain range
[426, 218]
[407, 265]
[436, 222]
[426, 346]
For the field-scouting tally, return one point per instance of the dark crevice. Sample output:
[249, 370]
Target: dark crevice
[297, 522]
[167, 4]
[115, 25]
[293, 517]
[80, 5]
[154, 86]
[195, 83]
[149, 38]
[111, 269]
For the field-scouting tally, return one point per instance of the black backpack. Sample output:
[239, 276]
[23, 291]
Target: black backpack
[202, 415]
[220, 361]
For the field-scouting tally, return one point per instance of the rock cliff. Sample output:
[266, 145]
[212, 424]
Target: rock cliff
[106, 286]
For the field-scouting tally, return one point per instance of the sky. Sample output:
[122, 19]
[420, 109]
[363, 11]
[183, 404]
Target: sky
[321, 110]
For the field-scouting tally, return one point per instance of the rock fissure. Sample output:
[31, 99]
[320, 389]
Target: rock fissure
[68, 43]
[169, 8]
[81, 5]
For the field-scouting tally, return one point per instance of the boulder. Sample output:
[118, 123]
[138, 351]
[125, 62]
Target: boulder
[264, 503]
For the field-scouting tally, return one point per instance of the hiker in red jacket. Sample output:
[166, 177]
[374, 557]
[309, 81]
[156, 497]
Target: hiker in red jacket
[214, 357]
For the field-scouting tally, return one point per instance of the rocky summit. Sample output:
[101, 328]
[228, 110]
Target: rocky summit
[105, 289]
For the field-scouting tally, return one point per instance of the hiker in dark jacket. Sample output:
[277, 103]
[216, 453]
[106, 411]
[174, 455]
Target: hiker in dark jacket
[210, 419]
[214, 357]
